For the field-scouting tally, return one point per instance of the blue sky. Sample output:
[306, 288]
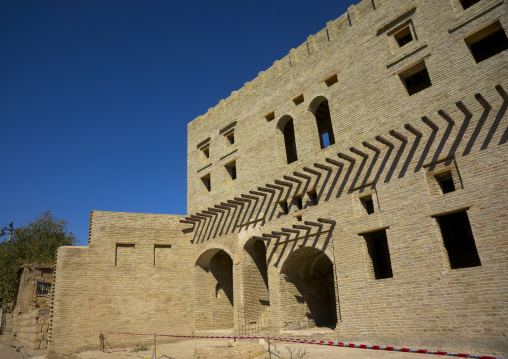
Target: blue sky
[95, 96]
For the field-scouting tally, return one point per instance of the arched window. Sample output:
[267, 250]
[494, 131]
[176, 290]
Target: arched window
[289, 140]
[324, 124]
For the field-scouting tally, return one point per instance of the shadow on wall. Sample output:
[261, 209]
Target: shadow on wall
[374, 160]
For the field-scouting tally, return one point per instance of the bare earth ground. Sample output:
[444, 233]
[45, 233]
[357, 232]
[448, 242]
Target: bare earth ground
[184, 349]
[7, 352]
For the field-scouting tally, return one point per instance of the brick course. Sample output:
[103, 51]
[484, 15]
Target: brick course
[388, 145]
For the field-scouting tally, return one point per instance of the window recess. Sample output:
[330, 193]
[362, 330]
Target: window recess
[458, 240]
[487, 42]
[416, 78]
[206, 182]
[231, 169]
[377, 247]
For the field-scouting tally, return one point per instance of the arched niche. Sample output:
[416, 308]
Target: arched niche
[213, 283]
[309, 297]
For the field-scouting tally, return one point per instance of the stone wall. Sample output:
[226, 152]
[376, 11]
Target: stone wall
[31, 329]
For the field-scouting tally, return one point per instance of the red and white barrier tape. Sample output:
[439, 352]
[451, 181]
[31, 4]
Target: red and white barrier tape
[322, 342]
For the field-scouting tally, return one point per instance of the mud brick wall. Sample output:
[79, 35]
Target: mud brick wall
[132, 277]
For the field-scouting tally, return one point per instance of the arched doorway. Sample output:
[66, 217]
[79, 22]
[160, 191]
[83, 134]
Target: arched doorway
[213, 281]
[256, 305]
[309, 291]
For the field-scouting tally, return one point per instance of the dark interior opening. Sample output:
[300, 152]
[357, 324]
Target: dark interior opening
[417, 82]
[231, 138]
[489, 46]
[284, 206]
[404, 36]
[377, 246]
[290, 142]
[298, 202]
[206, 152]
[231, 168]
[368, 204]
[206, 182]
[458, 240]
[313, 197]
[445, 181]
[466, 4]
[324, 125]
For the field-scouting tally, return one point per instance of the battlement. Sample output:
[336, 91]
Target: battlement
[335, 30]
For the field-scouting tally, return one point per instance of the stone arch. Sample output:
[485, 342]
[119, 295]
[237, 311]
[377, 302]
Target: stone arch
[213, 282]
[308, 283]
[287, 127]
[321, 111]
[255, 282]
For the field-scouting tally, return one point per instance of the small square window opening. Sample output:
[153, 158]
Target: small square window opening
[206, 182]
[416, 79]
[299, 218]
[231, 138]
[231, 168]
[298, 202]
[445, 181]
[43, 289]
[206, 152]
[487, 42]
[404, 36]
[313, 197]
[367, 204]
[466, 4]
[270, 116]
[284, 207]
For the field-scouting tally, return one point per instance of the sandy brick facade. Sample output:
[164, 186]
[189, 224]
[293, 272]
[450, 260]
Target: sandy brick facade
[394, 234]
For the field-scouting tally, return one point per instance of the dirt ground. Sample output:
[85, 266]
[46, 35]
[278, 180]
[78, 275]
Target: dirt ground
[184, 349]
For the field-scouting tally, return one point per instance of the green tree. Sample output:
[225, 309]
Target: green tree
[35, 243]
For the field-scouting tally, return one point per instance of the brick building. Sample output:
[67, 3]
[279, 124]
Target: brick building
[355, 190]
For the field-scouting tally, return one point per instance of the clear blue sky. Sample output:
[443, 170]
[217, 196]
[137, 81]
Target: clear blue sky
[95, 96]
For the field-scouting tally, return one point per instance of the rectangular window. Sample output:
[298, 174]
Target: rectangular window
[416, 78]
[231, 168]
[458, 240]
[403, 36]
[206, 182]
[445, 181]
[297, 200]
[377, 246]
[313, 197]
[161, 254]
[43, 289]
[231, 138]
[487, 42]
[284, 206]
[466, 4]
[124, 254]
[206, 152]
[367, 204]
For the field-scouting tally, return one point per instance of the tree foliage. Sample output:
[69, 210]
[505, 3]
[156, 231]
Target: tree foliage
[34, 243]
